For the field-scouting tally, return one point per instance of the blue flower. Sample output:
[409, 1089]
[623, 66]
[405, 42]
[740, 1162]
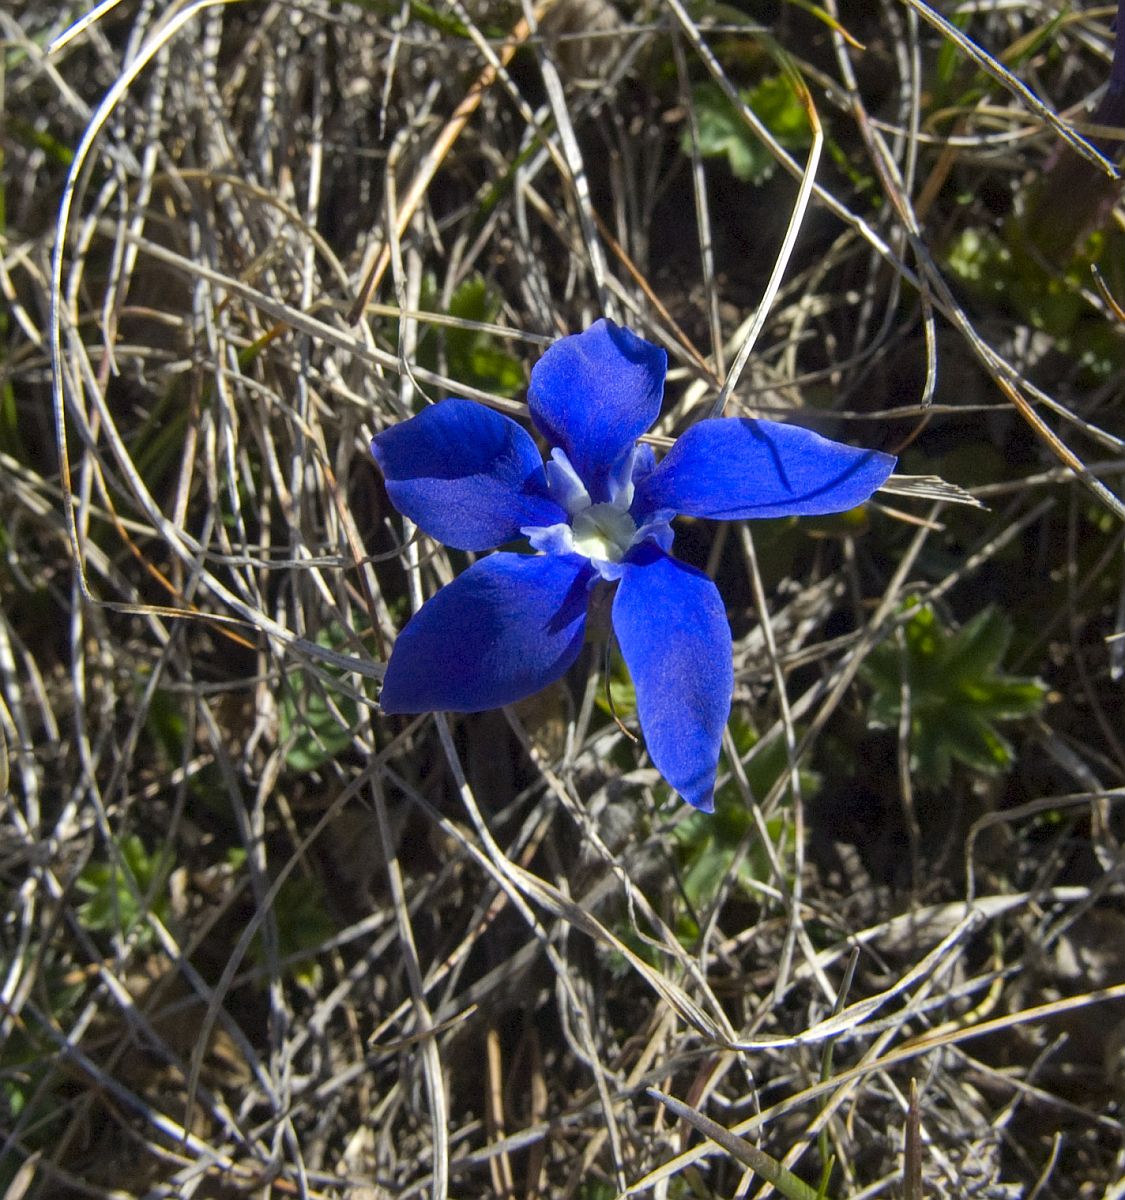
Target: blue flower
[599, 511]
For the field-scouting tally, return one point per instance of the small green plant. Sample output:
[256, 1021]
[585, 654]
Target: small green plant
[722, 132]
[119, 891]
[1009, 271]
[956, 694]
[32, 1081]
[707, 845]
[596, 1189]
[303, 926]
[316, 720]
[472, 356]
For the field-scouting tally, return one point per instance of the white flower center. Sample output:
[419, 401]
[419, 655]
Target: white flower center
[603, 531]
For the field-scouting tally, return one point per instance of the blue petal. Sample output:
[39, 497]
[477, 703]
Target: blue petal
[734, 468]
[676, 642]
[466, 475]
[593, 394]
[506, 627]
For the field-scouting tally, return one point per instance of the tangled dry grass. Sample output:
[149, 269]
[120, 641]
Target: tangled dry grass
[259, 939]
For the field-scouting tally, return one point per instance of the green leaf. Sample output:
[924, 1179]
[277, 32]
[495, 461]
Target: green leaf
[596, 1189]
[780, 109]
[980, 645]
[979, 745]
[1009, 698]
[427, 14]
[167, 725]
[957, 694]
[708, 844]
[303, 926]
[622, 701]
[1024, 48]
[723, 134]
[1011, 271]
[949, 57]
[791, 1186]
[316, 719]
[42, 140]
[472, 356]
[121, 890]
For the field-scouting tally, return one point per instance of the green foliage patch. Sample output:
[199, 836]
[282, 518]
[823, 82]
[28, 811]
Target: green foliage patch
[710, 847]
[120, 890]
[317, 721]
[723, 133]
[472, 356]
[956, 694]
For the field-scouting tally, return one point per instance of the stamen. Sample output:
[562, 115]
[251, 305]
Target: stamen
[566, 488]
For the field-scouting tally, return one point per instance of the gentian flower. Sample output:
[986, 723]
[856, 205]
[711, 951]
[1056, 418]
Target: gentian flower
[598, 513]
